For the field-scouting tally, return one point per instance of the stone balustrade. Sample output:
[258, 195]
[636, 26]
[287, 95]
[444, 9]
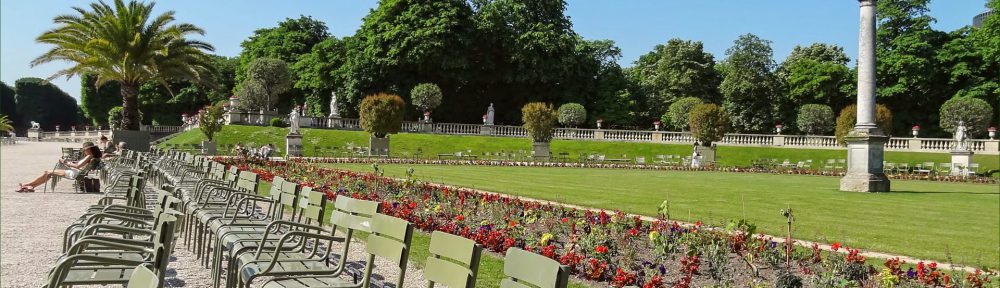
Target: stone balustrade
[932, 145]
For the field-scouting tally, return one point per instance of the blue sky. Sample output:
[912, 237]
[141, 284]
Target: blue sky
[635, 25]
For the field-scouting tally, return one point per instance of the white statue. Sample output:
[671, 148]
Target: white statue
[961, 139]
[35, 125]
[489, 115]
[334, 111]
[293, 121]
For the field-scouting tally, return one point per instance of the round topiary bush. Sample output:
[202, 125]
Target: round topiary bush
[815, 119]
[975, 112]
[677, 114]
[381, 114]
[709, 123]
[540, 121]
[572, 114]
[849, 115]
[426, 96]
[277, 122]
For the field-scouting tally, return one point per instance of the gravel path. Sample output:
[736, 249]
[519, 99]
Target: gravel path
[32, 224]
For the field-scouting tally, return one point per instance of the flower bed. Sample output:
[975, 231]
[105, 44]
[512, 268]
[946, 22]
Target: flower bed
[611, 247]
[732, 169]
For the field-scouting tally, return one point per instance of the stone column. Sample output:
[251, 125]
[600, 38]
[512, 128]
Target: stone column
[866, 143]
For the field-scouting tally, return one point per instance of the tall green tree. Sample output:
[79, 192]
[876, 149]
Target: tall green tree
[320, 73]
[679, 69]
[910, 79]
[127, 43]
[816, 74]
[288, 41]
[749, 84]
[96, 101]
[8, 104]
[403, 43]
[267, 79]
[42, 102]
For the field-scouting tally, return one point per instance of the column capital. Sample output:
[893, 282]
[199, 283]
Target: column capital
[866, 2]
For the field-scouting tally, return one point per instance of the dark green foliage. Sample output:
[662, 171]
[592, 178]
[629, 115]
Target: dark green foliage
[849, 116]
[680, 111]
[276, 122]
[97, 101]
[267, 80]
[817, 74]
[42, 102]
[974, 112]
[320, 73]
[8, 105]
[679, 69]
[382, 114]
[286, 42]
[709, 123]
[540, 121]
[749, 86]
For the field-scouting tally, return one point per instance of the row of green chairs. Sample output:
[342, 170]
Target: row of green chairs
[284, 237]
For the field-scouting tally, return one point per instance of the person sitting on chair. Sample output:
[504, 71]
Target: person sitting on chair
[91, 158]
[119, 150]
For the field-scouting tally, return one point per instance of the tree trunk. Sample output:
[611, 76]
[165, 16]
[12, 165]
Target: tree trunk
[130, 107]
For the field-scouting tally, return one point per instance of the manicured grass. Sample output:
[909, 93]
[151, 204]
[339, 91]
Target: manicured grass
[405, 144]
[948, 222]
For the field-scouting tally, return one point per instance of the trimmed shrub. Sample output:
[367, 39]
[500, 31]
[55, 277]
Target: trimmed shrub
[849, 115]
[572, 114]
[210, 121]
[540, 121]
[277, 122]
[426, 96]
[709, 123]
[975, 112]
[678, 113]
[382, 114]
[815, 119]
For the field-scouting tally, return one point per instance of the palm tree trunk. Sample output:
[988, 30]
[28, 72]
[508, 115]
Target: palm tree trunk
[130, 106]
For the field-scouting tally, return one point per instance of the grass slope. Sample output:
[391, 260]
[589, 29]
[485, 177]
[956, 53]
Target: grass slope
[432, 145]
[949, 222]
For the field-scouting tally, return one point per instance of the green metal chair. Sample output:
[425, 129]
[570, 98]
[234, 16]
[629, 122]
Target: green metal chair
[389, 239]
[142, 277]
[523, 269]
[454, 261]
[349, 216]
[96, 270]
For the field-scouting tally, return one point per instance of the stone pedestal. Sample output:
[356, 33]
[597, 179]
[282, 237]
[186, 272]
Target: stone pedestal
[960, 160]
[486, 130]
[778, 140]
[540, 151]
[865, 147]
[293, 145]
[34, 134]
[208, 148]
[707, 155]
[134, 140]
[378, 146]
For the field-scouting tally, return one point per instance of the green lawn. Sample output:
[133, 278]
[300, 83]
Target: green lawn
[948, 222]
[432, 145]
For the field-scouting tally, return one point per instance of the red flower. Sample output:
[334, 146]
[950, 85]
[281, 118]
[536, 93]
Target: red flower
[601, 249]
[835, 246]
[459, 218]
[512, 224]
[565, 219]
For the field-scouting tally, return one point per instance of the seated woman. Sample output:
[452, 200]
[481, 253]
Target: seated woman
[91, 158]
[119, 150]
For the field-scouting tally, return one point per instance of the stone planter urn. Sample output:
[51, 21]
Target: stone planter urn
[540, 151]
[378, 146]
[208, 148]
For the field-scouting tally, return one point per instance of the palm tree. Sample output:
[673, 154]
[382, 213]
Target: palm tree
[126, 44]
[6, 125]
